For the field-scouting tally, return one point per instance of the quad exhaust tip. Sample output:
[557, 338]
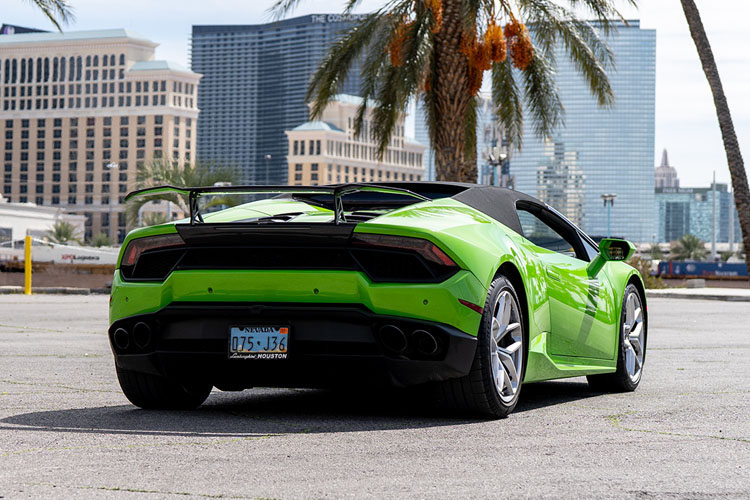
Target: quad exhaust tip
[141, 335]
[121, 338]
[426, 342]
[393, 338]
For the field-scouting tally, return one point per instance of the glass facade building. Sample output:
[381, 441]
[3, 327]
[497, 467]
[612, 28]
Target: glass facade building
[684, 211]
[598, 150]
[255, 78]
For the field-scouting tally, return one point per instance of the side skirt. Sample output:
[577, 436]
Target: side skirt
[544, 366]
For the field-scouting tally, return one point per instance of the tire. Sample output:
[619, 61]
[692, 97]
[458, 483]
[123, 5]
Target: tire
[631, 351]
[152, 392]
[492, 388]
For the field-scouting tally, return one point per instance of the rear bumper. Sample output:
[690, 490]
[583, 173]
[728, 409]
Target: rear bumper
[329, 345]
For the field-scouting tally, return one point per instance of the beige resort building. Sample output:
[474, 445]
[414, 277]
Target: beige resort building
[81, 111]
[326, 151]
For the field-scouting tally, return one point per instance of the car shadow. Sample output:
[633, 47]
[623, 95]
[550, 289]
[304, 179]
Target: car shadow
[263, 412]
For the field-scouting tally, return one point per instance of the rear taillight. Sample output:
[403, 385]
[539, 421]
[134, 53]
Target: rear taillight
[425, 248]
[163, 249]
[385, 257]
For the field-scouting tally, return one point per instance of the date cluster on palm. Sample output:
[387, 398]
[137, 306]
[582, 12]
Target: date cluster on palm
[481, 49]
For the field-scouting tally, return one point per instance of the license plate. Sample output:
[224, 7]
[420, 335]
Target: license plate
[258, 342]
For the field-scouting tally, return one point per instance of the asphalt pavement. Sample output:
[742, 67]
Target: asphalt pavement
[66, 431]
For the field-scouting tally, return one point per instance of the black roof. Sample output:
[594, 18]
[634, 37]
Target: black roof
[497, 202]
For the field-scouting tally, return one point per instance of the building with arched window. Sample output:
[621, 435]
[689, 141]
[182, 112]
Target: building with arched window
[81, 111]
[327, 151]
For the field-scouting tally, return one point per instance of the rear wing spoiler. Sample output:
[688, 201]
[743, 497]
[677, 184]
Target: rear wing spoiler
[338, 192]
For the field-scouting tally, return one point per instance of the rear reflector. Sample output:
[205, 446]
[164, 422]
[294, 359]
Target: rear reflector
[471, 306]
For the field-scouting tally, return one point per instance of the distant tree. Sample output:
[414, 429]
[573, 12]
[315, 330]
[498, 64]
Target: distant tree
[173, 173]
[731, 145]
[63, 232]
[58, 11]
[154, 219]
[644, 267]
[725, 256]
[100, 240]
[689, 247]
[655, 251]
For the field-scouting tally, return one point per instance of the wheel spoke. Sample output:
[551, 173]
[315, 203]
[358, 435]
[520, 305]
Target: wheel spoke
[497, 329]
[499, 373]
[630, 359]
[499, 308]
[511, 348]
[508, 365]
[636, 343]
[507, 384]
[629, 310]
[506, 308]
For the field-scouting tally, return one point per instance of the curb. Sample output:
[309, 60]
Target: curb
[54, 290]
[697, 296]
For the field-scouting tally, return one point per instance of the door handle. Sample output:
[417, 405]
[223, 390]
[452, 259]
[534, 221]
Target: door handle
[553, 274]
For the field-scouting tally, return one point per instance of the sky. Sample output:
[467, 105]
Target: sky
[686, 122]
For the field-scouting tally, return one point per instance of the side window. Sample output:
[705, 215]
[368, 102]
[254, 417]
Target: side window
[591, 250]
[548, 231]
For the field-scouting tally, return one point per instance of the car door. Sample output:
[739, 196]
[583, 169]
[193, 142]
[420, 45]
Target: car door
[581, 323]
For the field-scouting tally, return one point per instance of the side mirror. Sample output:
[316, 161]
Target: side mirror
[610, 249]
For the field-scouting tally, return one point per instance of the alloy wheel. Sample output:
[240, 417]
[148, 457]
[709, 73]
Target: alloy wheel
[633, 337]
[506, 346]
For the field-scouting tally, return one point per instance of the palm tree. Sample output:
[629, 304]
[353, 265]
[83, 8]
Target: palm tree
[100, 240]
[57, 11]
[731, 146]
[174, 173]
[655, 251]
[689, 247]
[62, 232]
[439, 50]
[154, 219]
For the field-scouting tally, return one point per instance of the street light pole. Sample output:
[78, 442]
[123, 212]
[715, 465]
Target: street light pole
[609, 201]
[268, 161]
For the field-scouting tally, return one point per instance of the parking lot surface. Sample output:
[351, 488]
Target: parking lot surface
[67, 431]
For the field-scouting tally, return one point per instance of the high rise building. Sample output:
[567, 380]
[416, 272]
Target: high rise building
[255, 79]
[665, 175]
[326, 151]
[684, 211]
[81, 111]
[599, 150]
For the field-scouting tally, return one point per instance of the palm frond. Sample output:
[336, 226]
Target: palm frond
[542, 96]
[588, 51]
[59, 12]
[398, 84]
[336, 64]
[507, 98]
[372, 67]
[280, 8]
[604, 10]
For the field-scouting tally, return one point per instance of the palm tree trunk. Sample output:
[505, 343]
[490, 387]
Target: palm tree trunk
[731, 146]
[452, 98]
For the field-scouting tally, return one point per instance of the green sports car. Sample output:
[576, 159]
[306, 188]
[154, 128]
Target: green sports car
[469, 290]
